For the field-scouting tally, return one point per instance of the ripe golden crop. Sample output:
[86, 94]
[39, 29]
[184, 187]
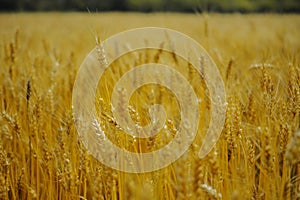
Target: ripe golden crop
[257, 156]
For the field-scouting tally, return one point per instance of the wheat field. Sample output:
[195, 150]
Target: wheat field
[256, 157]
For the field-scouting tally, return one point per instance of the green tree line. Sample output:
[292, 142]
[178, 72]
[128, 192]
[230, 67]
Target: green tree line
[153, 5]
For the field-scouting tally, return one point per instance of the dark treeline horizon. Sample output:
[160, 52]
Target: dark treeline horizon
[153, 5]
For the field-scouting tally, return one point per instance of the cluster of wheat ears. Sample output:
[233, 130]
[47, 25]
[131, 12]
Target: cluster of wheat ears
[256, 157]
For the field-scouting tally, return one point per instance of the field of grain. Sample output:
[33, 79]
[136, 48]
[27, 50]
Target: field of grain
[256, 157]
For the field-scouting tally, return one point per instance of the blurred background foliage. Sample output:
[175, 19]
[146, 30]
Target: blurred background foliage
[153, 5]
